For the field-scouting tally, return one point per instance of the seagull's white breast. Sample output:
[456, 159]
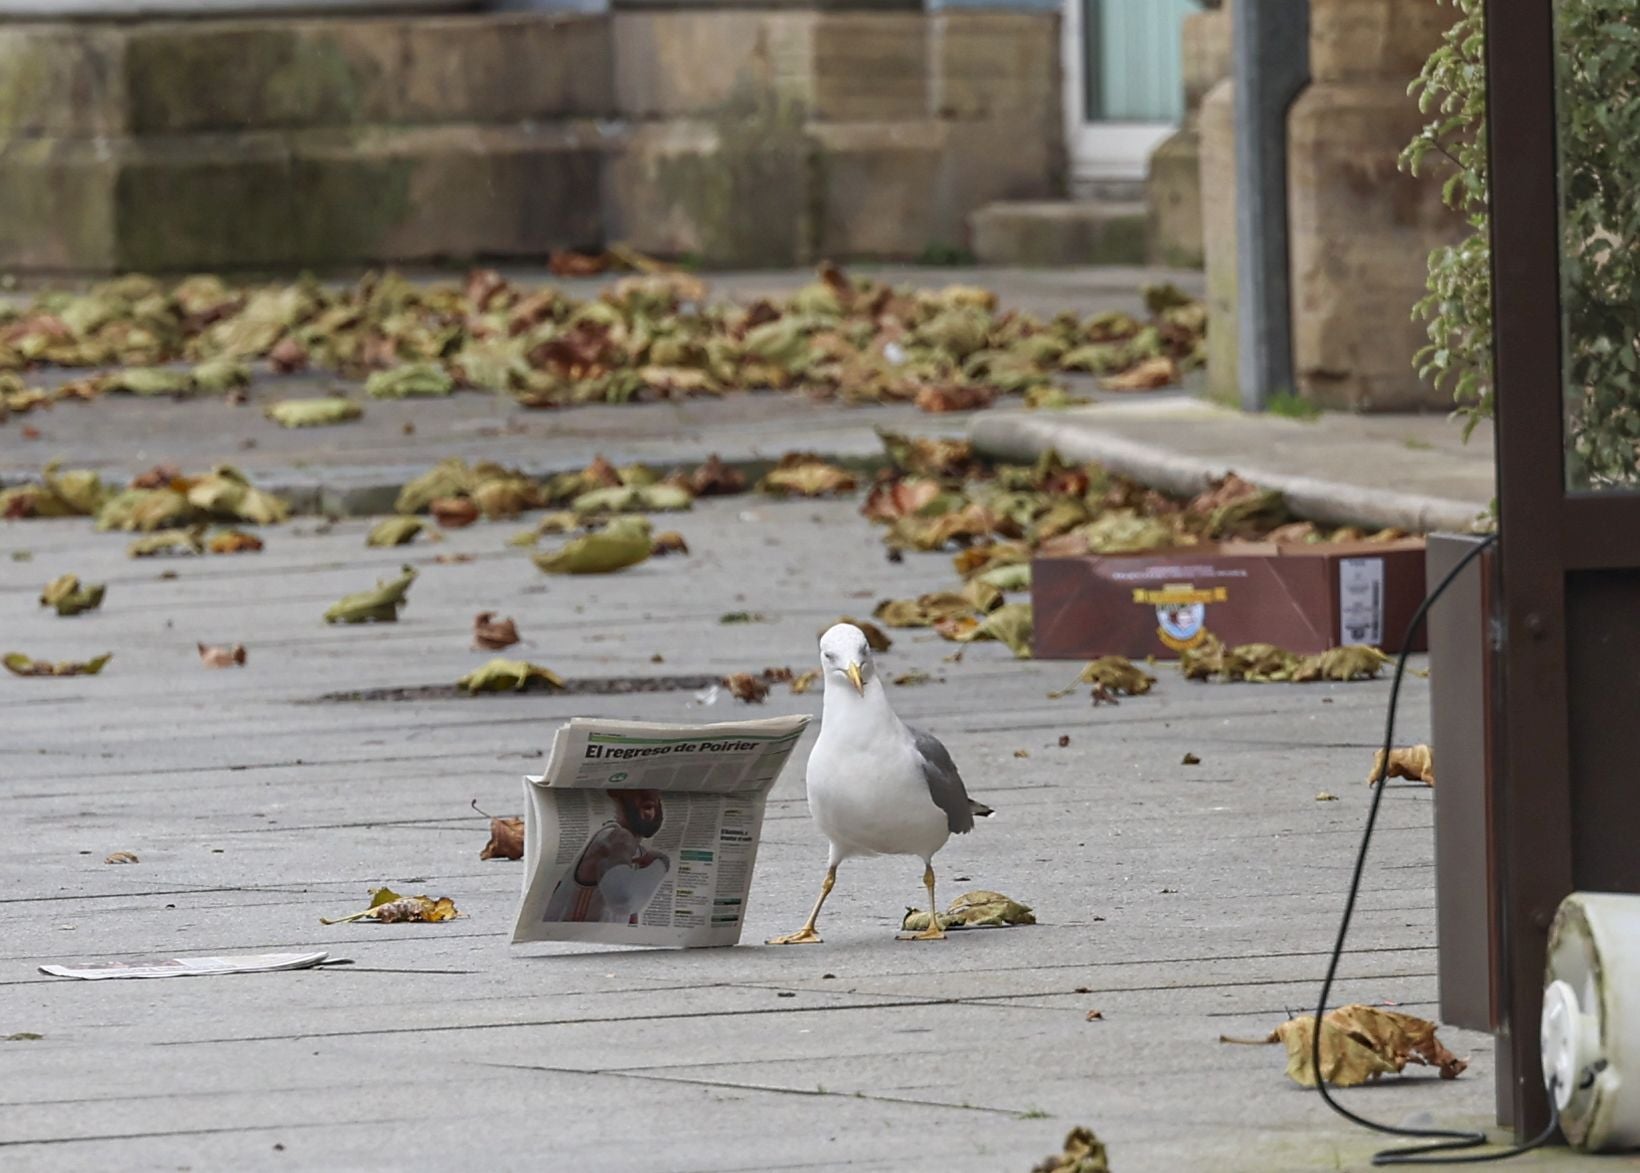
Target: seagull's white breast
[866, 787]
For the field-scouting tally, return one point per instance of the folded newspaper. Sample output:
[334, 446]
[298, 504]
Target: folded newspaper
[164, 967]
[646, 834]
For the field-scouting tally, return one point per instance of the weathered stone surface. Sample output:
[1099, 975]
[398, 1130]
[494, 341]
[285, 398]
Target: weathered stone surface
[61, 80]
[1218, 184]
[1361, 234]
[737, 191]
[238, 76]
[1355, 40]
[495, 68]
[1068, 232]
[1173, 182]
[445, 193]
[1173, 201]
[202, 202]
[659, 58]
[870, 67]
[990, 64]
[57, 206]
[1204, 53]
[876, 186]
[233, 76]
[302, 141]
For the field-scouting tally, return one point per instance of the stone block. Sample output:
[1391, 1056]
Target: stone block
[61, 80]
[1356, 40]
[1217, 140]
[1173, 201]
[1204, 54]
[874, 183]
[997, 159]
[1065, 232]
[453, 193]
[506, 68]
[57, 206]
[870, 66]
[735, 192]
[1361, 232]
[186, 77]
[990, 64]
[204, 202]
[660, 59]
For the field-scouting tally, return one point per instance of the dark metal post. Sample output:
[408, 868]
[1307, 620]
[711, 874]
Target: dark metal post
[1270, 60]
[1567, 608]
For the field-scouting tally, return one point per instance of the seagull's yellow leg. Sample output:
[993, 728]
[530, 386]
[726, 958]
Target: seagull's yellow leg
[933, 932]
[806, 935]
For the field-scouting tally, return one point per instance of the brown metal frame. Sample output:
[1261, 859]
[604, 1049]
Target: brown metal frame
[1547, 537]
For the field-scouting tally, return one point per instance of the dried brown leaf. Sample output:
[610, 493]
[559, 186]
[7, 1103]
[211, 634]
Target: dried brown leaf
[1147, 375]
[1415, 763]
[493, 634]
[744, 686]
[221, 655]
[453, 512]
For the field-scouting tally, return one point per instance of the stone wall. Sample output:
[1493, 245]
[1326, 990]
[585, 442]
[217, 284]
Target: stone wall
[828, 133]
[298, 142]
[749, 136]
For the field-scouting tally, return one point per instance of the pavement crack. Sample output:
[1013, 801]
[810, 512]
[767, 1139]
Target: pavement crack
[730, 1085]
[372, 1032]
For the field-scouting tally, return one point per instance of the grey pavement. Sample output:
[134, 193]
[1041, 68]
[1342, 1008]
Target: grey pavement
[1181, 902]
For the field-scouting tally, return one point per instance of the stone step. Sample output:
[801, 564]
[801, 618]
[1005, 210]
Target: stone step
[1059, 232]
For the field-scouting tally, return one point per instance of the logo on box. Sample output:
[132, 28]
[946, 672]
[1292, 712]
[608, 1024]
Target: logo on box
[1181, 611]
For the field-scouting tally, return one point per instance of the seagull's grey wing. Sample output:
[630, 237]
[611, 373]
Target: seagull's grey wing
[945, 783]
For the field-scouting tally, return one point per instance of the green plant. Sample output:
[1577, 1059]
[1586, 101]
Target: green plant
[1598, 112]
[1293, 406]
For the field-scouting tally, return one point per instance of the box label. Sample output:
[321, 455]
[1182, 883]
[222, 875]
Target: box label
[1361, 601]
[1181, 612]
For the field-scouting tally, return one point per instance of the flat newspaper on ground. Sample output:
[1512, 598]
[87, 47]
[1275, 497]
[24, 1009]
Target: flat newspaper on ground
[643, 833]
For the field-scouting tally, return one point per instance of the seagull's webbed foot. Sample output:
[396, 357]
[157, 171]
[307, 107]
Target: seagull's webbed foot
[933, 932]
[807, 934]
[803, 936]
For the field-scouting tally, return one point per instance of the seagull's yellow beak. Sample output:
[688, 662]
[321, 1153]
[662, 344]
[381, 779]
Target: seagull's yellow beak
[853, 671]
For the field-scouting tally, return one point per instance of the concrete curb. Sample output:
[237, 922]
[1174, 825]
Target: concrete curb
[1020, 437]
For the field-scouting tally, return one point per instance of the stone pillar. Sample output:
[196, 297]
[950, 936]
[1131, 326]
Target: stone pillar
[1217, 127]
[1173, 186]
[1362, 229]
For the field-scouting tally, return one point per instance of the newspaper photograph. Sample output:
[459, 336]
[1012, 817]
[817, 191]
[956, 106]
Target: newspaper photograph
[644, 833]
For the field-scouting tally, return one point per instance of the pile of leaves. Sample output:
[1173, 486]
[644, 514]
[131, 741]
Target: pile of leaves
[651, 335]
[161, 498]
[938, 495]
[1268, 664]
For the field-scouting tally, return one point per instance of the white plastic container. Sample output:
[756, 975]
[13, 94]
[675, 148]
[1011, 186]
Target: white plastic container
[1591, 1020]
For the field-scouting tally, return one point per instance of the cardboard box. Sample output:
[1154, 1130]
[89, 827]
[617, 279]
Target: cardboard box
[1305, 598]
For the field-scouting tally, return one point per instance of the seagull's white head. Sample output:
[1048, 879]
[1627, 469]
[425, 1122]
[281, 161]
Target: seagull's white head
[845, 656]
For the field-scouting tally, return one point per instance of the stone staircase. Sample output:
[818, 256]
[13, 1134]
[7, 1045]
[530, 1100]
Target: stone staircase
[1049, 233]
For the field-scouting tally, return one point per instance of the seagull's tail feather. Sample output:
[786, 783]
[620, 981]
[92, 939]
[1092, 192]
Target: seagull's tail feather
[981, 811]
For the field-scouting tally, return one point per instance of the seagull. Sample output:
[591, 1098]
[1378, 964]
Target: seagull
[876, 785]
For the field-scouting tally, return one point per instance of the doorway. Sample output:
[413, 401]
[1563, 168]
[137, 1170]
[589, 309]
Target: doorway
[1123, 89]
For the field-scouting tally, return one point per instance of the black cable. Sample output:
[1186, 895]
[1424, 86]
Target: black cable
[1447, 1140]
